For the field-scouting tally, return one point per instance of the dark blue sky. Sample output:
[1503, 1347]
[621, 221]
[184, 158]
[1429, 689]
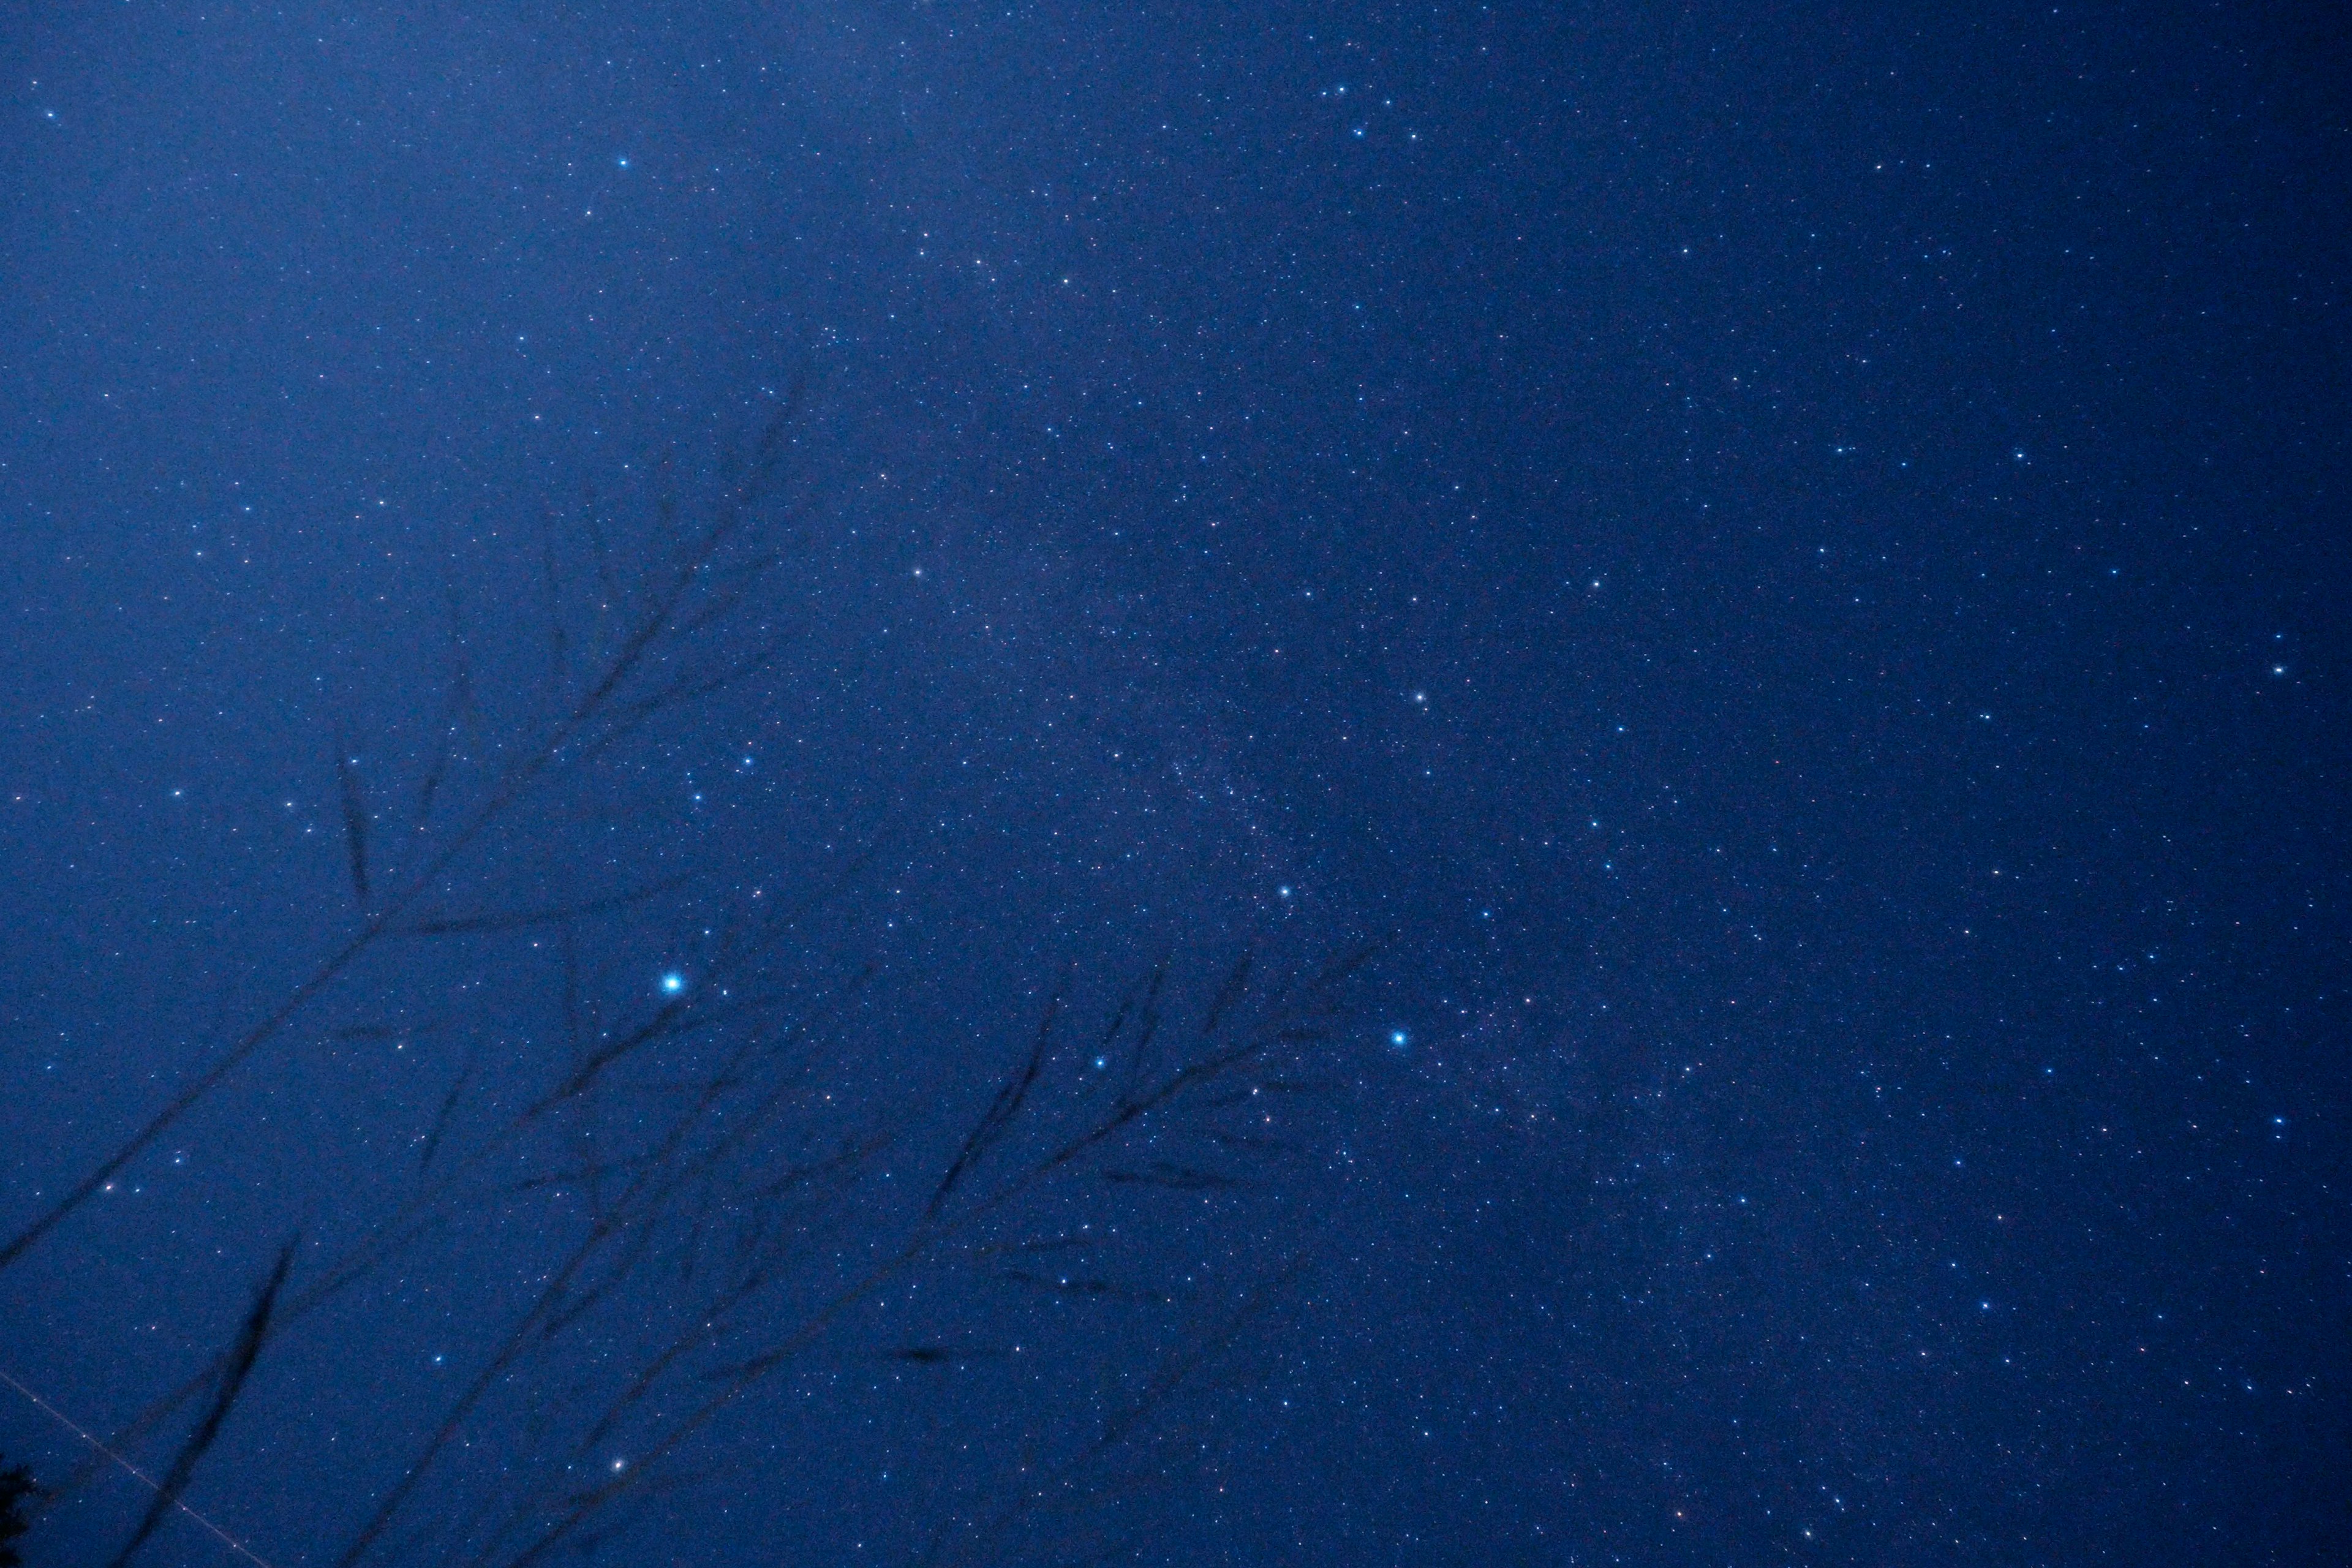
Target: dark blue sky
[1786, 564]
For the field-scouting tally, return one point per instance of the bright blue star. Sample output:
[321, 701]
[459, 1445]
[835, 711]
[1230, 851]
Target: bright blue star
[673, 982]
[1398, 1039]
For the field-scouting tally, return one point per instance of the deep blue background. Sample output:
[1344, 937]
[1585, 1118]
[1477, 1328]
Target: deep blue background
[1791, 560]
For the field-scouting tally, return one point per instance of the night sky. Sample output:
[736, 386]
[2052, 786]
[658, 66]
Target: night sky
[660, 664]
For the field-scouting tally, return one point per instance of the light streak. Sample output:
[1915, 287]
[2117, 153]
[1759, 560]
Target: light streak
[54, 1414]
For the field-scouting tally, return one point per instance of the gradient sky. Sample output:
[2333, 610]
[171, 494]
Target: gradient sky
[1787, 565]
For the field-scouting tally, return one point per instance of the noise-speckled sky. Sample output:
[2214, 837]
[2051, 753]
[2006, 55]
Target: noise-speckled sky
[1738, 610]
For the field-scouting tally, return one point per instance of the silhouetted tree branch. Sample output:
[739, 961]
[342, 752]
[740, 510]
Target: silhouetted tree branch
[708, 1196]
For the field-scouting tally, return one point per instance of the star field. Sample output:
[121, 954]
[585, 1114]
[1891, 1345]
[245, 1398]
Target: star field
[1756, 599]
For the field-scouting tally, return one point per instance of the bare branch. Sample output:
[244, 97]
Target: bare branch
[247, 1351]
